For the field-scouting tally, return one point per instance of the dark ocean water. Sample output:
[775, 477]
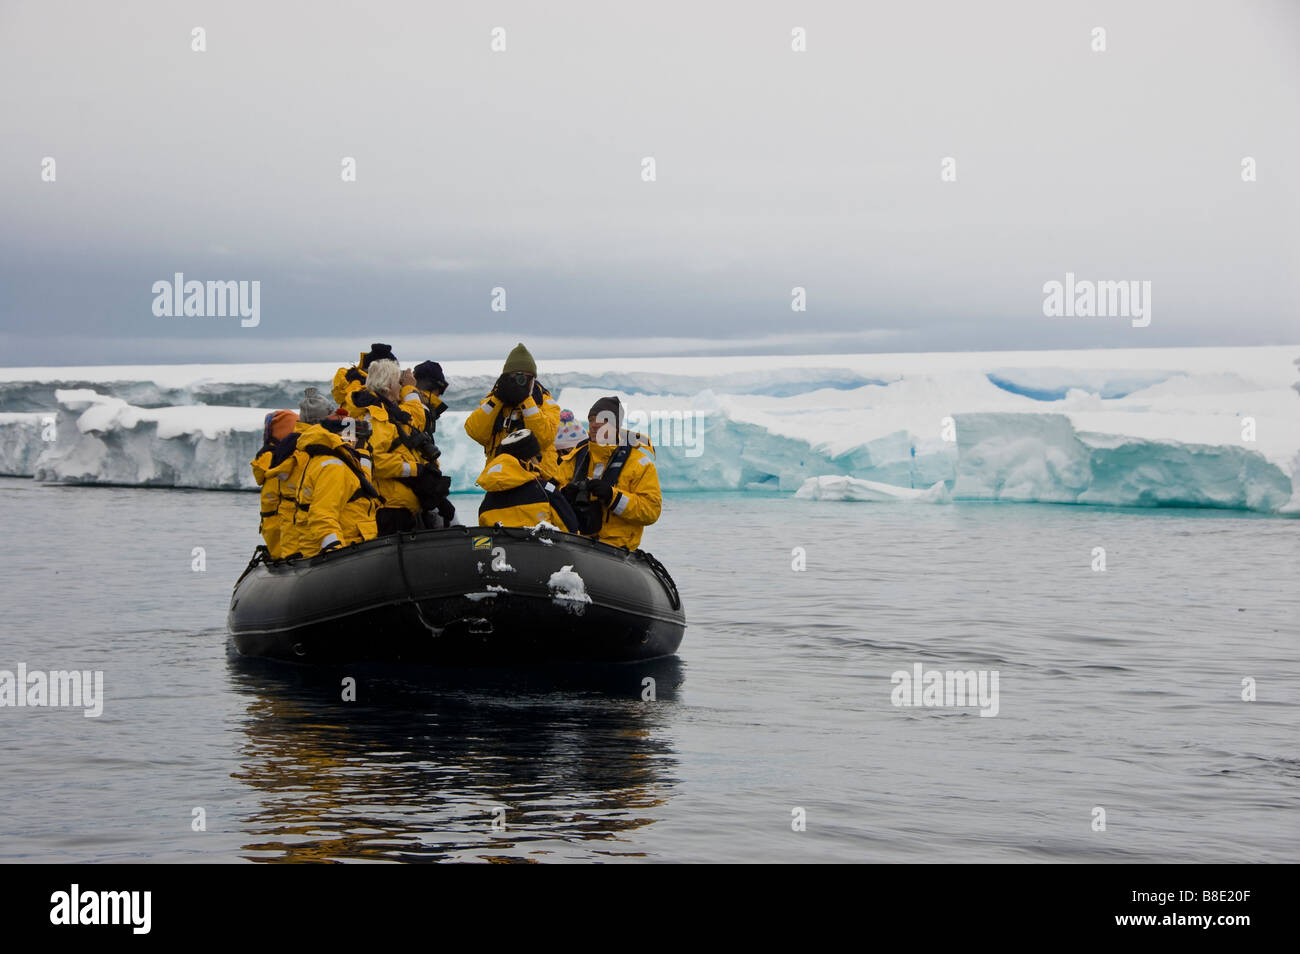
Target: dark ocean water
[1119, 690]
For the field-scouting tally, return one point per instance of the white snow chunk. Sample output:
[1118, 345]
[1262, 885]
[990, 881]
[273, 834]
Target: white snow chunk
[832, 487]
[543, 525]
[568, 590]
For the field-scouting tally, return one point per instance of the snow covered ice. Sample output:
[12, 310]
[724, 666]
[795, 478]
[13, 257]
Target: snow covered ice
[568, 589]
[831, 487]
[1144, 427]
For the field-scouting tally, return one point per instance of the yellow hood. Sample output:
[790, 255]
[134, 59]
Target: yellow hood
[504, 472]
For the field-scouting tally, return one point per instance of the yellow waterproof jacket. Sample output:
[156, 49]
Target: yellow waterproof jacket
[515, 496]
[490, 422]
[276, 471]
[637, 500]
[347, 380]
[361, 509]
[431, 406]
[392, 459]
[331, 481]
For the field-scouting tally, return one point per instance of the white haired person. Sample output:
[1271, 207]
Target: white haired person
[405, 459]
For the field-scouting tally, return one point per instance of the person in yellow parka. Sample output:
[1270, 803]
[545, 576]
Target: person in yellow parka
[362, 508]
[278, 439]
[347, 380]
[516, 401]
[611, 480]
[278, 468]
[430, 384]
[516, 491]
[332, 479]
[405, 458]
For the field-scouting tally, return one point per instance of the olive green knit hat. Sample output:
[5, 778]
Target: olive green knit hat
[520, 360]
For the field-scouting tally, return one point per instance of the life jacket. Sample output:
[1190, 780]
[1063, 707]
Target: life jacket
[394, 460]
[591, 514]
[366, 488]
[340, 518]
[637, 500]
[491, 422]
[279, 489]
[515, 496]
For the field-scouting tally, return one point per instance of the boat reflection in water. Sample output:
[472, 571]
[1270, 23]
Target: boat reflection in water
[444, 765]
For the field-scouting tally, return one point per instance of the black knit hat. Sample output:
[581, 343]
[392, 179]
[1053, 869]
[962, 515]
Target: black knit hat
[377, 352]
[608, 405]
[521, 444]
[335, 425]
[428, 375]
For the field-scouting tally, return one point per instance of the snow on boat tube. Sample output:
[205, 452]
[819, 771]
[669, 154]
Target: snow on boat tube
[479, 596]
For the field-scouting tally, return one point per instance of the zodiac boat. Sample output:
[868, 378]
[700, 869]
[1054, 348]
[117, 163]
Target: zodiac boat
[462, 596]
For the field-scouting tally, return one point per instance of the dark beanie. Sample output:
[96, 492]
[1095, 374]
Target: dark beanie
[609, 405]
[521, 444]
[428, 375]
[377, 352]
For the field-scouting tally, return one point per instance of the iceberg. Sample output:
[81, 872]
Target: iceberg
[1141, 427]
[830, 487]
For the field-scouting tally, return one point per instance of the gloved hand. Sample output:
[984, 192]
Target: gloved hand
[511, 388]
[446, 511]
[600, 489]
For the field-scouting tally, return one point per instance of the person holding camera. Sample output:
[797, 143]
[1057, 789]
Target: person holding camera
[611, 481]
[405, 457]
[517, 495]
[429, 383]
[348, 381]
[517, 401]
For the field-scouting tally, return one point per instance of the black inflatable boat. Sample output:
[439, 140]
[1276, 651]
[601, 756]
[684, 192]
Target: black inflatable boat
[498, 596]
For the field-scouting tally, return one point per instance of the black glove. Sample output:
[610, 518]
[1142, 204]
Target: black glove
[422, 444]
[601, 490]
[511, 388]
[446, 510]
[570, 492]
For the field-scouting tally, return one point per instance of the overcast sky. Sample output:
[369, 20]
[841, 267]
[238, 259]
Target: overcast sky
[523, 169]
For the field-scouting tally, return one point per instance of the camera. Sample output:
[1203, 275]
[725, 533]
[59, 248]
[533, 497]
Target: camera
[591, 515]
[423, 445]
